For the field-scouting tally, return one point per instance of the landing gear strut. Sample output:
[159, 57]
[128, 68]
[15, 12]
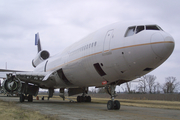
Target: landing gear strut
[27, 92]
[50, 93]
[112, 104]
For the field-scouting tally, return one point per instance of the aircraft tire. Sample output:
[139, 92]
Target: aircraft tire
[78, 98]
[30, 98]
[21, 98]
[110, 105]
[82, 98]
[88, 98]
[116, 105]
[85, 99]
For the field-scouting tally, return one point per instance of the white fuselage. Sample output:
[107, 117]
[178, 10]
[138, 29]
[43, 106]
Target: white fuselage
[121, 53]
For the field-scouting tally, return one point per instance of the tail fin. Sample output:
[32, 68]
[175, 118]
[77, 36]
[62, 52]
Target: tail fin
[37, 42]
[42, 54]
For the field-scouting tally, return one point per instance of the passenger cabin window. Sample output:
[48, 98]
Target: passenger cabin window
[130, 31]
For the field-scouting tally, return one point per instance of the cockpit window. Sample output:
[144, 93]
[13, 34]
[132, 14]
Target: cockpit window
[136, 29]
[130, 31]
[139, 29]
[152, 27]
[160, 28]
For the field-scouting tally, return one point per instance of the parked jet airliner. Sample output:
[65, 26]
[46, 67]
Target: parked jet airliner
[112, 55]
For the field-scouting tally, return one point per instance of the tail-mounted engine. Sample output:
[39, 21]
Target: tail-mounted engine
[12, 85]
[40, 57]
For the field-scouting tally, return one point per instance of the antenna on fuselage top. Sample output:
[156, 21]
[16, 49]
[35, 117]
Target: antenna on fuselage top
[37, 42]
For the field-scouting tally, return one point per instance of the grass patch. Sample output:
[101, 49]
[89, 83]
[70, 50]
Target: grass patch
[9, 111]
[141, 103]
[131, 102]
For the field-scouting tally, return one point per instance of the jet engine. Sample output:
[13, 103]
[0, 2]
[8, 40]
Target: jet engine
[12, 85]
[40, 57]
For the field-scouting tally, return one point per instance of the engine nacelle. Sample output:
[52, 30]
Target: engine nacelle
[40, 57]
[12, 85]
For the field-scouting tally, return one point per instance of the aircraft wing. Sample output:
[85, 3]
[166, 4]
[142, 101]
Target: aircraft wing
[41, 79]
[7, 70]
[17, 80]
[3, 72]
[3, 75]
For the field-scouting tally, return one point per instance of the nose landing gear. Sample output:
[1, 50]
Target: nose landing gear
[112, 104]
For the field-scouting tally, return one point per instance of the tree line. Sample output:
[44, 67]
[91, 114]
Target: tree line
[148, 84]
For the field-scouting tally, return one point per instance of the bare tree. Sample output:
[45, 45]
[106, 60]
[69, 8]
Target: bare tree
[154, 88]
[150, 79]
[123, 89]
[158, 87]
[146, 83]
[102, 90]
[142, 85]
[128, 85]
[92, 90]
[170, 85]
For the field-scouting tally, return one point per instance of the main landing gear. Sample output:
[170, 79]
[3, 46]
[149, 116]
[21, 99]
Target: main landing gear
[112, 104]
[83, 98]
[22, 98]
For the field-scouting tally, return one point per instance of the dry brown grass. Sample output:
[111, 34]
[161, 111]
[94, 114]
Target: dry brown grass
[9, 111]
[141, 103]
[144, 103]
[134, 102]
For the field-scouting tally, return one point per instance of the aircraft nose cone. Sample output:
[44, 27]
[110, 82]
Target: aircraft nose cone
[162, 45]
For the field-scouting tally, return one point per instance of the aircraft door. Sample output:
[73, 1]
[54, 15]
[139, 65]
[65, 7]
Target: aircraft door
[109, 36]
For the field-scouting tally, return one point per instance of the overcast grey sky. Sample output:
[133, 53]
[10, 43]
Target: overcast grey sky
[61, 23]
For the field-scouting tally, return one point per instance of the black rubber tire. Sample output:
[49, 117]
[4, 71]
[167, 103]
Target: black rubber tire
[116, 105]
[78, 98]
[82, 99]
[88, 98]
[110, 105]
[85, 99]
[30, 98]
[21, 98]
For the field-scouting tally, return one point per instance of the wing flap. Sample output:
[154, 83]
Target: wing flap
[30, 76]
